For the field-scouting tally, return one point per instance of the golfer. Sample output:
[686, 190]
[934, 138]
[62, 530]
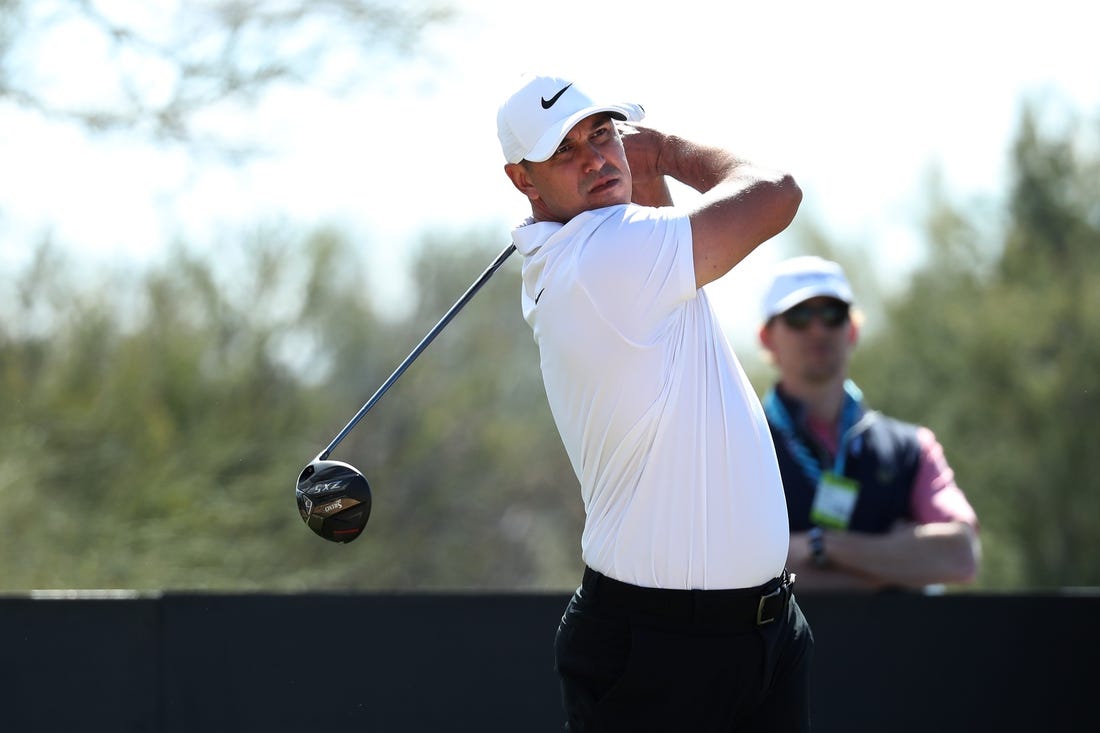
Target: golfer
[685, 619]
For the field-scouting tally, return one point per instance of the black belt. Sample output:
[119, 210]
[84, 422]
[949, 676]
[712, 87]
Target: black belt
[748, 607]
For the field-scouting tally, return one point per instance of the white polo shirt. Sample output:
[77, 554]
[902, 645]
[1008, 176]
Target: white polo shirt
[676, 464]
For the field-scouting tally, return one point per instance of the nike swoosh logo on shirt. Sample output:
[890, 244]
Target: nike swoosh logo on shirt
[548, 103]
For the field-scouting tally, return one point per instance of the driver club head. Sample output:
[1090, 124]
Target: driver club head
[334, 500]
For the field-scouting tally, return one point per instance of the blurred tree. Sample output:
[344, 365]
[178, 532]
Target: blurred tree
[152, 424]
[159, 450]
[145, 451]
[151, 433]
[165, 69]
[472, 487]
[994, 346]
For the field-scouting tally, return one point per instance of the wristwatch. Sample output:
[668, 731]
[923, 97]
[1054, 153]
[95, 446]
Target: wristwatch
[817, 547]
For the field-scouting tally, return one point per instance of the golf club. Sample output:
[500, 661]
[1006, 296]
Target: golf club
[333, 497]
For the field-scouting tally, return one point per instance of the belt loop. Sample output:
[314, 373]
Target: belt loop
[784, 590]
[591, 581]
[760, 620]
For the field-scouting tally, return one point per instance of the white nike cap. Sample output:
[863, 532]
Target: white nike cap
[801, 278]
[533, 120]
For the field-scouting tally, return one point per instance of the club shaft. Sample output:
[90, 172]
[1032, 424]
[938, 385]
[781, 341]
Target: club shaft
[451, 313]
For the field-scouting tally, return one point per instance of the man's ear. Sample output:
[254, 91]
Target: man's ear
[853, 332]
[517, 173]
[765, 336]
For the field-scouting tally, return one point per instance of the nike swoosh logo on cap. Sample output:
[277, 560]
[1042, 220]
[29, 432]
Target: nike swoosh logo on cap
[548, 103]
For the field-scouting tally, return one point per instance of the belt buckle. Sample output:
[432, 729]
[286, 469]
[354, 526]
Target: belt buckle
[760, 620]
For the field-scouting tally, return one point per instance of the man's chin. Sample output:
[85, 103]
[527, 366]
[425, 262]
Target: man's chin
[611, 196]
[822, 376]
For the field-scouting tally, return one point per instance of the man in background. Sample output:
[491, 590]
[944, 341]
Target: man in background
[871, 500]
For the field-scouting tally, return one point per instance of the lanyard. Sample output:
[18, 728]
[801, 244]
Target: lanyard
[780, 417]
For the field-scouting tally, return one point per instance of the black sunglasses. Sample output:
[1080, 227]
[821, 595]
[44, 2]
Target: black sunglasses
[833, 313]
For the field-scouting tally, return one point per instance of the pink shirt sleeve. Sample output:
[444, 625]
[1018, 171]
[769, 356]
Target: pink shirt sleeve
[936, 497]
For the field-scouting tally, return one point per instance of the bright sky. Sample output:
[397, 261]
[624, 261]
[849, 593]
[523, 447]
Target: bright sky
[858, 99]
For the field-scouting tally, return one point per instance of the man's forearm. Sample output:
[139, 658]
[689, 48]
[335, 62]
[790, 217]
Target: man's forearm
[700, 166]
[652, 192]
[742, 204]
[910, 555]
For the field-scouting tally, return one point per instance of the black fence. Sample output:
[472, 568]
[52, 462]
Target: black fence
[404, 663]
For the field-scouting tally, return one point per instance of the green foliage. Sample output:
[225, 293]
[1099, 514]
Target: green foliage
[153, 424]
[157, 447]
[995, 347]
[471, 485]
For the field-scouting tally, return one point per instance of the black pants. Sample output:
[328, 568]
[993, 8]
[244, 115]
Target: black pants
[641, 659]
